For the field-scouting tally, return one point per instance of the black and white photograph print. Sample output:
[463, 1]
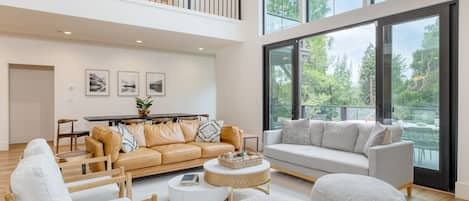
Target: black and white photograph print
[128, 83]
[156, 84]
[97, 82]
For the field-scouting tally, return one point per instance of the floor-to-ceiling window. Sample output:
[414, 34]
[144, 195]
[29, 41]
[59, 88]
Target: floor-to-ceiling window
[338, 75]
[281, 14]
[396, 70]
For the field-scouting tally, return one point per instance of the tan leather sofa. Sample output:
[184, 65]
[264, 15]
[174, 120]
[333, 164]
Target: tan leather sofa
[169, 147]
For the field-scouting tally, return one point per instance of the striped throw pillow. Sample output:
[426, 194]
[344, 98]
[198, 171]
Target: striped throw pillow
[129, 143]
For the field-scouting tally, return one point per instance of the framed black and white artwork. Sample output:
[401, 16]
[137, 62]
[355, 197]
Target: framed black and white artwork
[156, 84]
[128, 83]
[97, 82]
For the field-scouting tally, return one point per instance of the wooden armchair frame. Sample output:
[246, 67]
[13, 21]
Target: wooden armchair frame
[117, 176]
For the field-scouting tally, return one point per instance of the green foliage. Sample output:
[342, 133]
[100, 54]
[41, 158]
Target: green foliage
[144, 104]
[284, 8]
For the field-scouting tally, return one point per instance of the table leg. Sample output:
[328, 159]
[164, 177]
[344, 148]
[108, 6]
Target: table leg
[257, 144]
[231, 194]
[244, 144]
[71, 142]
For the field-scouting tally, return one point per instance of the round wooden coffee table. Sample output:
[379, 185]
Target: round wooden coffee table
[251, 177]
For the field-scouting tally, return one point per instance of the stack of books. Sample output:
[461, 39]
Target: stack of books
[190, 179]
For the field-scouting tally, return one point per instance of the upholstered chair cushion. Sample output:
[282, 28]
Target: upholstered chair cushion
[163, 134]
[38, 178]
[316, 131]
[190, 129]
[138, 131]
[296, 132]
[112, 141]
[38, 147]
[340, 135]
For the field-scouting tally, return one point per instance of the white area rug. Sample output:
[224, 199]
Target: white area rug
[283, 187]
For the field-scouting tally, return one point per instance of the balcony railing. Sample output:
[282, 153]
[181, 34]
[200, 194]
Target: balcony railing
[223, 8]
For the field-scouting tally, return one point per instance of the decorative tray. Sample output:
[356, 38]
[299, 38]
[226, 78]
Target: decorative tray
[240, 160]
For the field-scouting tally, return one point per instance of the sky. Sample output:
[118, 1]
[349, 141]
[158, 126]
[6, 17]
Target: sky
[407, 38]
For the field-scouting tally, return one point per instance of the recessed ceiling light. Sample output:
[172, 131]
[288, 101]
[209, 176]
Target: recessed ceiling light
[139, 41]
[201, 49]
[67, 32]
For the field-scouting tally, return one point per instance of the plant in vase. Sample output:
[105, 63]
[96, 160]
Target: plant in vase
[143, 105]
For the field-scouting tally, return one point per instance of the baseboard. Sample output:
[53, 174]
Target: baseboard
[462, 190]
[4, 146]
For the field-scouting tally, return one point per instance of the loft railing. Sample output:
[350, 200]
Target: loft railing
[223, 8]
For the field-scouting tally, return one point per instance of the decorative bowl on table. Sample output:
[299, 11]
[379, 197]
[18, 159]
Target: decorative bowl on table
[238, 160]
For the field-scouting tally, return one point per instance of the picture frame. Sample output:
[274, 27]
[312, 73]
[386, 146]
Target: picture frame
[155, 84]
[128, 83]
[97, 82]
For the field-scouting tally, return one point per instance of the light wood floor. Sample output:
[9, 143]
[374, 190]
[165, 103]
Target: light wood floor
[9, 159]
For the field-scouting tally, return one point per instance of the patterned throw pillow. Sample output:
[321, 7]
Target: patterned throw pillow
[129, 143]
[209, 131]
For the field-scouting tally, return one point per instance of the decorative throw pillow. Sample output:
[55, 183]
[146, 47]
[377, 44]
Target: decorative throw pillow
[138, 131]
[209, 131]
[296, 132]
[376, 138]
[128, 141]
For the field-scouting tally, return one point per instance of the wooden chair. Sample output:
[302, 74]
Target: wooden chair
[116, 176]
[162, 120]
[73, 135]
[133, 121]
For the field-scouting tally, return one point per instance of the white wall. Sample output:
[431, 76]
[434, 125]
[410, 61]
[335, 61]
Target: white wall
[190, 78]
[31, 104]
[462, 185]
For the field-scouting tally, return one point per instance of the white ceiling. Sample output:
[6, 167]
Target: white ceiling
[22, 21]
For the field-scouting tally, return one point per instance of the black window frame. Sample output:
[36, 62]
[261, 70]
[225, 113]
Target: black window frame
[449, 10]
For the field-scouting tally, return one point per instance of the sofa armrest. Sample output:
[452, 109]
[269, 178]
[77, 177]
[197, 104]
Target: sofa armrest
[112, 141]
[272, 137]
[96, 148]
[232, 135]
[393, 163]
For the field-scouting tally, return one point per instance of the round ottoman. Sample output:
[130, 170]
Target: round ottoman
[340, 187]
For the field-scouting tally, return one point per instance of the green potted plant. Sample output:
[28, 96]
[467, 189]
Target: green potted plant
[143, 106]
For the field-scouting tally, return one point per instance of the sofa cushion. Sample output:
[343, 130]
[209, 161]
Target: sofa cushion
[174, 153]
[396, 132]
[296, 132]
[190, 129]
[111, 140]
[211, 150]
[129, 143]
[138, 131]
[232, 135]
[319, 158]
[209, 131]
[376, 137]
[163, 134]
[364, 131]
[140, 158]
[316, 131]
[101, 193]
[340, 135]
[38, 178]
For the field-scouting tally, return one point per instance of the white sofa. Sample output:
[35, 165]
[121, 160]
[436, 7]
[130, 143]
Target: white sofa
[337, 147]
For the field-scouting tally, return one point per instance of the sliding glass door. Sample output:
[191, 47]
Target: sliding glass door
[396, 70]
[416, 92]
[281, 68]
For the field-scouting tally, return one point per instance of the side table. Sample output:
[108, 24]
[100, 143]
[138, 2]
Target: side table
[250, 136]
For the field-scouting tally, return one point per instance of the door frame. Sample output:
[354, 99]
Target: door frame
[266, 80]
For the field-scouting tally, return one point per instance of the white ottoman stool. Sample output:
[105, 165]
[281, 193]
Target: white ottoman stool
[340, 187]
[269, 198]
